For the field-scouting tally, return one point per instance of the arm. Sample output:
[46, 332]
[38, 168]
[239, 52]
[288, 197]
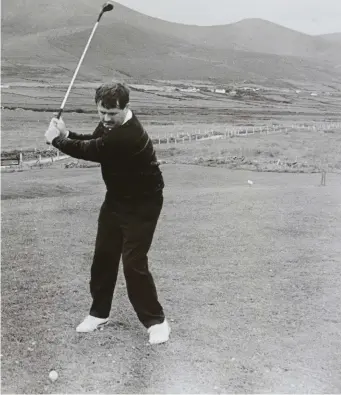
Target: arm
[92, 150]
[75, 136]
[67, 142]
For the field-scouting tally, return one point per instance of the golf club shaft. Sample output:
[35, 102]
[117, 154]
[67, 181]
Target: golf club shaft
[77, 69]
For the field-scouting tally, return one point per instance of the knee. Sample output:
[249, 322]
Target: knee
[135, 265]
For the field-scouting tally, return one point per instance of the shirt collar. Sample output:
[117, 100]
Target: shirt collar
[128, 116]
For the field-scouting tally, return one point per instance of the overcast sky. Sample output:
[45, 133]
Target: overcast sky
[308, 16]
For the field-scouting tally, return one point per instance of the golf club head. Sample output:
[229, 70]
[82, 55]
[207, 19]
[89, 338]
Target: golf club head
[108, 6]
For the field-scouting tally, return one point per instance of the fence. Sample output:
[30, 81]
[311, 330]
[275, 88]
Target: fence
[31, 158]
[169, 138]
[174, 138]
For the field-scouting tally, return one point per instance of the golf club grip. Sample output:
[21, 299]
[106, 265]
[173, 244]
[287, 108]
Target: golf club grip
[59, 113]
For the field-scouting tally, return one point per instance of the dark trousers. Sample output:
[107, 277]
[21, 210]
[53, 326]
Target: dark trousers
[126, 229]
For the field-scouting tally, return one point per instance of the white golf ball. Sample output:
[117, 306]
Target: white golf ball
[53, 375]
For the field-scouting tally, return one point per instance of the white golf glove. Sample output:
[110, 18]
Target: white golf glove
[56, 128]
[51, 133]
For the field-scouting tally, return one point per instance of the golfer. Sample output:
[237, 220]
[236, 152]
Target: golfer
[129, 213]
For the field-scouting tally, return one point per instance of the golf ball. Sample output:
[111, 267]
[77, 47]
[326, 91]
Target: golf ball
[53, 375]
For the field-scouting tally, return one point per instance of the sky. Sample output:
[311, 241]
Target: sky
[307, 16]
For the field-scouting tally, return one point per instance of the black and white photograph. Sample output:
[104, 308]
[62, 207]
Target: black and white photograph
[171, 197]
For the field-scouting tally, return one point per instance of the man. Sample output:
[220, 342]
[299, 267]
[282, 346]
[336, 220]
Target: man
[130, 211]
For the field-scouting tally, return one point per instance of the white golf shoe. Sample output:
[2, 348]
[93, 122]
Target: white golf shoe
[91, 323]
[159, 333]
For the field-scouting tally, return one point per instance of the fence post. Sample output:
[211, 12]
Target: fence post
[323, 178]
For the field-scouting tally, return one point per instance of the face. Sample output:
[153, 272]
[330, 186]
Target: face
[111, 117]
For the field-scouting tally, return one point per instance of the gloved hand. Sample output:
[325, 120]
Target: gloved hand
[56, 128]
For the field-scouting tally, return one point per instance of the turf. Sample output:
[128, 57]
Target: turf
[248, 276]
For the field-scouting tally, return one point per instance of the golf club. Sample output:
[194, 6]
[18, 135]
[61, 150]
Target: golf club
[108, 6]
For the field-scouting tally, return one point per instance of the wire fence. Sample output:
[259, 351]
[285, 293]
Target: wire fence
[173, 138]
[178, 137]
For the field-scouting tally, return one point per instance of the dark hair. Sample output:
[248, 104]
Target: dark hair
[109, 94]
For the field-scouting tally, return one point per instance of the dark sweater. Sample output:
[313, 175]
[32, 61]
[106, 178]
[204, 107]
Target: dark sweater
[127, 157]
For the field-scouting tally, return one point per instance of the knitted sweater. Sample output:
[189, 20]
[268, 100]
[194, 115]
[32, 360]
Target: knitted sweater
[126, 154]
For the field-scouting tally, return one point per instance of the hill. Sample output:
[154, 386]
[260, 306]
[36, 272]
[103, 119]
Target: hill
[43, 40]
[332, 37]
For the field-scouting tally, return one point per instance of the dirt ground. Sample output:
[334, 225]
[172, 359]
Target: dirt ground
[249, 276]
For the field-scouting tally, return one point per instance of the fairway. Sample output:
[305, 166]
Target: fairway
[249, 277]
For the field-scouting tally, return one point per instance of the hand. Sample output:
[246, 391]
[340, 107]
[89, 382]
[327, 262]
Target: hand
[59, 124]
[51, 133]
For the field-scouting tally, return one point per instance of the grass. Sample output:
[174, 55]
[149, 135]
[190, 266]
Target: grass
[287, 150]
[292, 150]
[248, 276]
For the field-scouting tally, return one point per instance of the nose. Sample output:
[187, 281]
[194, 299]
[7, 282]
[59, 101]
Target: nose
[107, 117]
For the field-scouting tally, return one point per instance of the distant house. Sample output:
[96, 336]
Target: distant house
[170, 88]
[298, 91]
[313, 94]
[233, 93]
[220, 90]
[190, 89]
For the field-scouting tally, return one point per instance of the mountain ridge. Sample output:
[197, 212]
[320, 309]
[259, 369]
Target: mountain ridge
[146, 47]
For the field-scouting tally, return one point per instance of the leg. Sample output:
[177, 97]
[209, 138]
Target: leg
[106, 261]
[138, 230]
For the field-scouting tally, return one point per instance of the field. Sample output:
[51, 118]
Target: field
[28, 109]
[248, 274]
